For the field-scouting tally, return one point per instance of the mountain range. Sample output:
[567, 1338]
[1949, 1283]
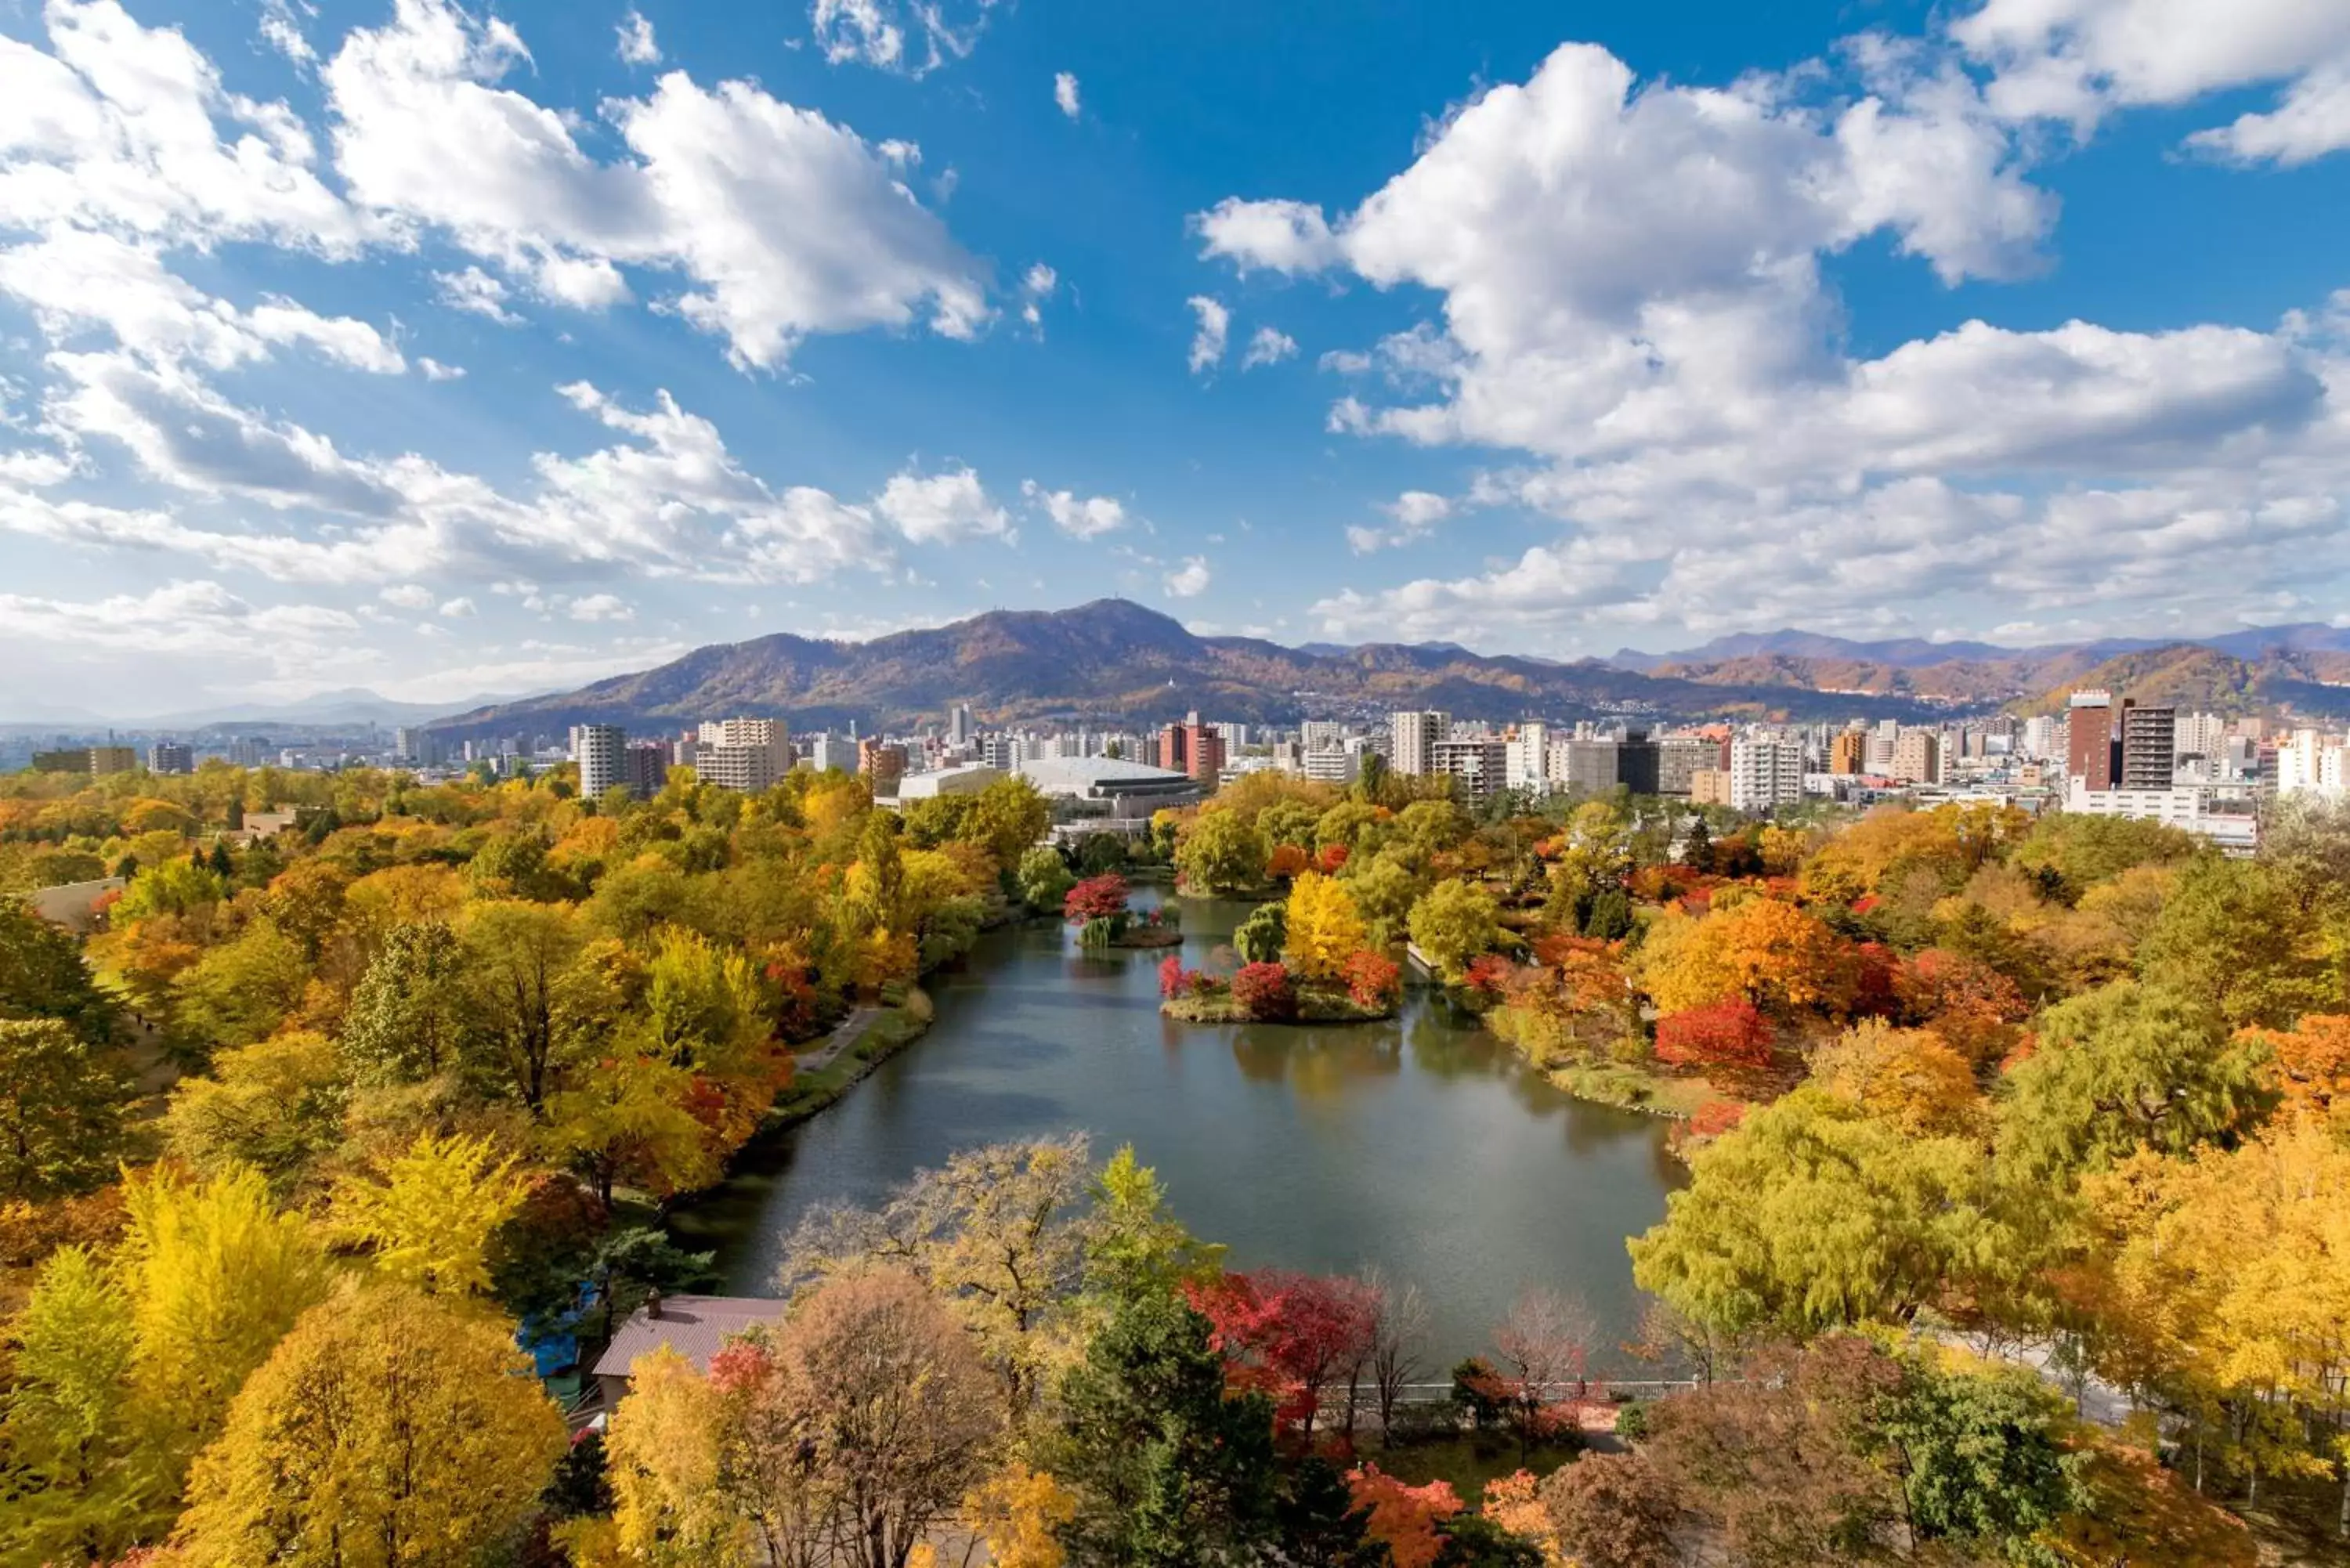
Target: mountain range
[1113, 662]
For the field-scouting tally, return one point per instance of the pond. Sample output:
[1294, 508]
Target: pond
[1422, 1145]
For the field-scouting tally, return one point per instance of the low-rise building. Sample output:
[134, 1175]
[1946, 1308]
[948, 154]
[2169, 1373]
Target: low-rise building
[695, 1327]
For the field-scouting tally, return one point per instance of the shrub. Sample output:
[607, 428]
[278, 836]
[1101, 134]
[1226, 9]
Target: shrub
[1265, 991]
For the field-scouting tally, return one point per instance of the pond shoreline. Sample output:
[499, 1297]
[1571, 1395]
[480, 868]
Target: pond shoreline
[1419, 1145]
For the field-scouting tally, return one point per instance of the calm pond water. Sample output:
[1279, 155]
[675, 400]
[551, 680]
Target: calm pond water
[1421, 1145]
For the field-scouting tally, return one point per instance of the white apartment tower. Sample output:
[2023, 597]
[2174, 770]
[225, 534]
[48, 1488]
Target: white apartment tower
[1528, 765]
[600, 750]
[1765, 775]
[746, 754]
[1415, 736]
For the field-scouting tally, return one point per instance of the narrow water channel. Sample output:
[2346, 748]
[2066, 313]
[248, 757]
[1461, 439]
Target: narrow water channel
[1421, 1145]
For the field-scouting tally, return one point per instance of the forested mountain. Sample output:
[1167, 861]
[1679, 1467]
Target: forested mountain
[1115, 661]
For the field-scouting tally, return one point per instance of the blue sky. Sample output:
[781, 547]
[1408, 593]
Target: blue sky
[445, 348]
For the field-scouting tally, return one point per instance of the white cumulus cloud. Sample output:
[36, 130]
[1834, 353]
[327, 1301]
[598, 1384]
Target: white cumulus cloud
[1064, 92]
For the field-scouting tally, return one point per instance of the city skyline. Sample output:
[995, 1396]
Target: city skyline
[1539, 341]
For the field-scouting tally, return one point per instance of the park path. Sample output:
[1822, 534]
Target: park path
[844, 1036]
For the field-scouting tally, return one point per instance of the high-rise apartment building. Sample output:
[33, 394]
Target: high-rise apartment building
[1193, 748]
[2089, 739]
[1528, 763]
[598, 750]
[1481, 767]
[1412, 740]
[170, 757]
[1848, 751]
[644, 767]
[2149, 738]
[2309, 761]
[746, 754]
[1765, 775]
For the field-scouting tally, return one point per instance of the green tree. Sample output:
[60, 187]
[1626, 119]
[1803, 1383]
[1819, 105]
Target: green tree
[2123, 1067]
[1223, 852]
[1260, 938]
[521, 959]
[2233, 931]
[1457, 923]
[1385, 890]
[1045, 879]
[42, 975]
[241, 991]
[172, 888]
[276, 1105]
[1813, 1215]
[1008, 817]
[62, 1107]
[1168, 1471]
[1980, 1456]
[408, 1012]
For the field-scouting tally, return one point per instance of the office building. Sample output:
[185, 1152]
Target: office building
[1006, 752]
[1193, 749]
[1412, 738]
[1709, 787]
[1680, 757]
[1765, 775]
[746, 754]
[2089, 739]
[1848, 751]
[960, 730]
[598, 749]
[2149, 738]
[170, 757]
[1481, 767]
[104, 760]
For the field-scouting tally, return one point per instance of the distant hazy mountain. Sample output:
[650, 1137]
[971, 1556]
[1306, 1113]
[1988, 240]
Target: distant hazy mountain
[2305, 666]
[1113, 660]
[351, 706]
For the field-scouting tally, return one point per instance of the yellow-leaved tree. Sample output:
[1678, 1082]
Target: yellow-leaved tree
[1020, 1512]
[387, 1428]
[1324, 926]
[661, 1454]
[1908, 1076]
[428, 1215]
[126, 1365]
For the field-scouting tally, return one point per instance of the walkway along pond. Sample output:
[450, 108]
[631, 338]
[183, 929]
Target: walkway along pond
[1421, 1145]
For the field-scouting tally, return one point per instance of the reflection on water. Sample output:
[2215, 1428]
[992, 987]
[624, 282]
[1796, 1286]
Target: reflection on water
[1419, 1145]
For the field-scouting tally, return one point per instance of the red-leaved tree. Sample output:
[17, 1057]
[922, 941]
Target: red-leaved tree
[1331, 857]
[1488, 976]
[1723, 1034]
[1298, 1336]
[1404, 1518]
[1263, 990]
[1373, 978]
[1286, 861]
[1095, 899]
